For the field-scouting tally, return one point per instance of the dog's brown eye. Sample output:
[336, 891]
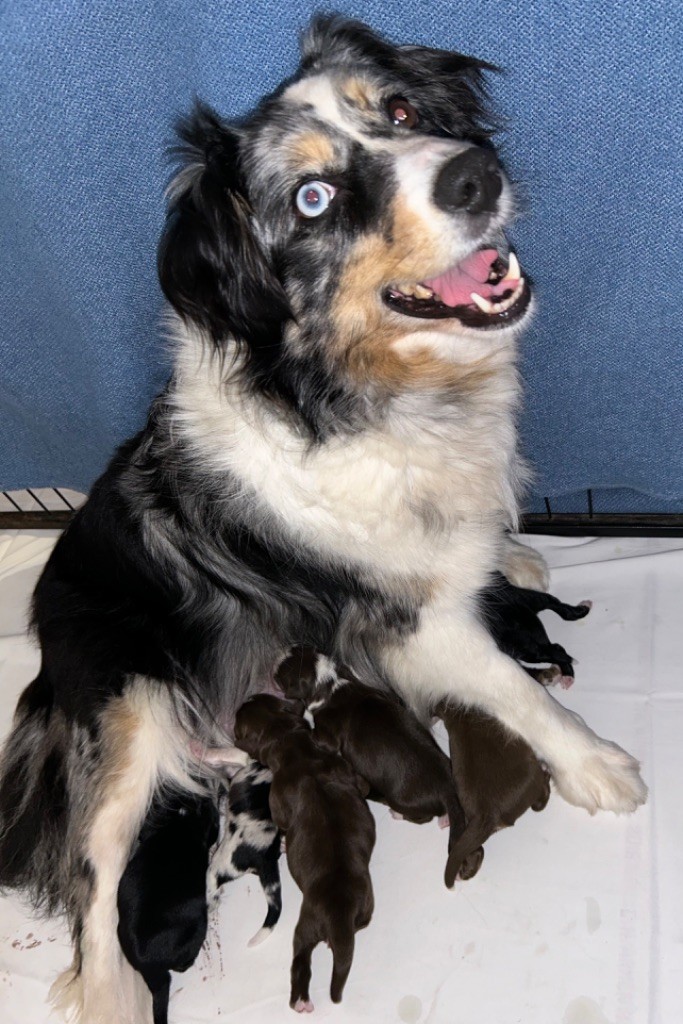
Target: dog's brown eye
[402, 113]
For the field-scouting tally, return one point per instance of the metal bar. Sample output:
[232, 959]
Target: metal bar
[65, 500]
[9, 497]
[568, 524]
[576, 524]
[37, 500]
[35, 520]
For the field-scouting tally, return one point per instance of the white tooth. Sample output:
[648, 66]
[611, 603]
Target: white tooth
[513, 268]
[423, 293]
[484, 305]
[406, 289]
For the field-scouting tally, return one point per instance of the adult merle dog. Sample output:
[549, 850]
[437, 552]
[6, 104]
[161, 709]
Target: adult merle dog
[333, 463]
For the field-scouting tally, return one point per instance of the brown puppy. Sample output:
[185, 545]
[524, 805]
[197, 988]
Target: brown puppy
[498, 777]
[377, 735]
[317, 800]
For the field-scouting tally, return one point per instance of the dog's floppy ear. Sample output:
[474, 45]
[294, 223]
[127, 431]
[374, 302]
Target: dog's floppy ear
[212, 268]
[448, 88]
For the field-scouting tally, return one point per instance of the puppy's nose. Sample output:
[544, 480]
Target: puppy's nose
[470, 182]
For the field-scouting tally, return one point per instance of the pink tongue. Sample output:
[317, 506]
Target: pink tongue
[457, 284]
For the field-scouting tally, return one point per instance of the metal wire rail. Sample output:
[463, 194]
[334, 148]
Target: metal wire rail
[53, 508]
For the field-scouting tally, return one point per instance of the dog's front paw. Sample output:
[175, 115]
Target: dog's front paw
[524, 566]
[605, 779]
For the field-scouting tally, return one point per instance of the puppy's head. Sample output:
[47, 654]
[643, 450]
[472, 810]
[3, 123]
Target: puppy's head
[302, 672]
[261, 721]
[348, 234]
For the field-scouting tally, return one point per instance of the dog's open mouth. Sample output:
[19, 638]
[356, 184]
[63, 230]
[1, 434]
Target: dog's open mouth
[482, 291]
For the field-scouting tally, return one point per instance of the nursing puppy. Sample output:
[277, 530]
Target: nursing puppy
[498, 778]
[511, 614]
[378, 736]
[162, 901]
[316, 798]
[250, 843]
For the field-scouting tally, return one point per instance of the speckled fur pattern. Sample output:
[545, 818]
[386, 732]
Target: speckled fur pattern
[250, 842]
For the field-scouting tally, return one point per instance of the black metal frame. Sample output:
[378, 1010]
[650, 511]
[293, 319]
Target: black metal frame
[568, 524]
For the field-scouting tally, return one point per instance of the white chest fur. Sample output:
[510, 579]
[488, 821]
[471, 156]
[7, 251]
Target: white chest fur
[417, 497]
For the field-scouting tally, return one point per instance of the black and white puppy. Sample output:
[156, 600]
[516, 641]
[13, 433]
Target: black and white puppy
[250, 843]
[162, 894]
[511, 614]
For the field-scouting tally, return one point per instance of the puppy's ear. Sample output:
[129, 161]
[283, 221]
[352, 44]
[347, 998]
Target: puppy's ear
[363, 786]
[212, 268]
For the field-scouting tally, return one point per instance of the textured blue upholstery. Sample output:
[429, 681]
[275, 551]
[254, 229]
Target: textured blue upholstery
[595, 101]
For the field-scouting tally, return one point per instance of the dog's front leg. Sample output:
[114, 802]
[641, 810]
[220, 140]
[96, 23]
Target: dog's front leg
[452, 655]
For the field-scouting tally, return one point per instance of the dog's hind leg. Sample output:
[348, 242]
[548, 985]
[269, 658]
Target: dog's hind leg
[343, 944]
[269, 875]
[451, 654]
[305, 940]
[142, 747]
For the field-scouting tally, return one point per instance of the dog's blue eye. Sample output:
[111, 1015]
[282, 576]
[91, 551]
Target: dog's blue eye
[314, 197]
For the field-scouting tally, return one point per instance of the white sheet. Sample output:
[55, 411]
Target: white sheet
[572, 919]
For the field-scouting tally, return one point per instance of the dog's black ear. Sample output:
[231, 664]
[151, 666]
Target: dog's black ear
[212, 268]
[448, 88]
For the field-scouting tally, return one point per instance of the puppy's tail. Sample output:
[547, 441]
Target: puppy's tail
[474, 836]
[34, 799]
[159, 984]
[270, 880]
[342, 950]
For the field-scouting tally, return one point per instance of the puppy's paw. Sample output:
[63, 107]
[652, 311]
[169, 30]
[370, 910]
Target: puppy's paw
[303, 1006]
[444, 821]
[395, 815]
[606, 778]
[471, 864]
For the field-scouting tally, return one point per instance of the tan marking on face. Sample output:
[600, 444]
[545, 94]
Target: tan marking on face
[360, 93]
[367, 333]
[311, 151]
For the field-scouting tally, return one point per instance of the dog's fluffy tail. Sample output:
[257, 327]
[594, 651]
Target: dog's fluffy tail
[34, 799]
[342, 943]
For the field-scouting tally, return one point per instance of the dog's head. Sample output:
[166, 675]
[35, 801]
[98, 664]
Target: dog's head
[347, 236]
[262, 721]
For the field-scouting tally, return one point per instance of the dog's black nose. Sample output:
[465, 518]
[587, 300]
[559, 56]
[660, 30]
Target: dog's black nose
[470, 182]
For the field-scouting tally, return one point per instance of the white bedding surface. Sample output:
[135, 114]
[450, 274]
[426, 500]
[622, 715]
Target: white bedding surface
[571, 920]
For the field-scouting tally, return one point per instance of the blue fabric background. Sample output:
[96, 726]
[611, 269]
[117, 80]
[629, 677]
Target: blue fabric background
[594, 97]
